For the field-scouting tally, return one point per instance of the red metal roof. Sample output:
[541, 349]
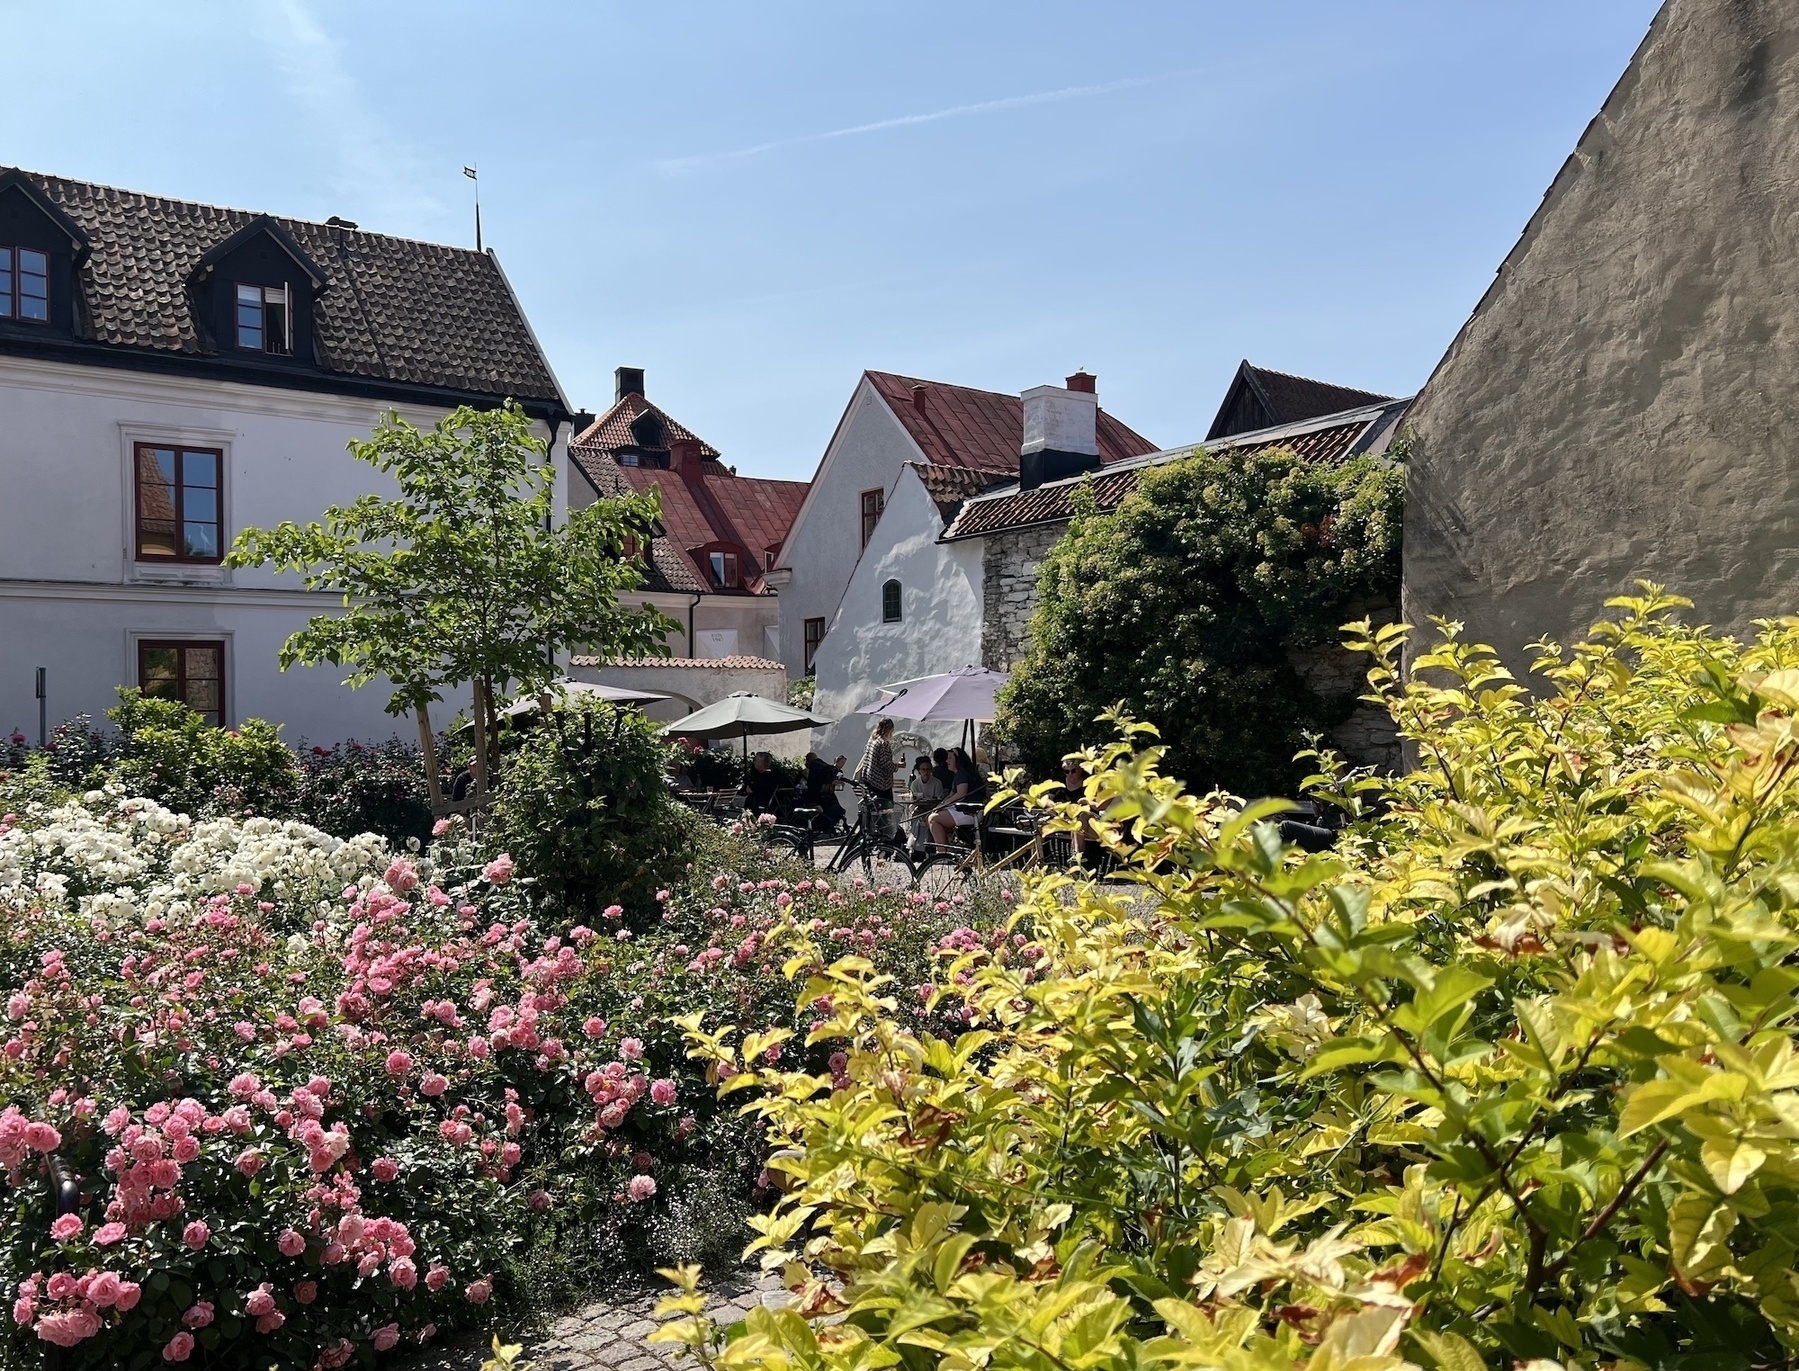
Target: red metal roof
[1054, 503]
[983, 429]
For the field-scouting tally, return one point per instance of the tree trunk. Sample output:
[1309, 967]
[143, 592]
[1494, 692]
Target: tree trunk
[433, 782]
[480, 738]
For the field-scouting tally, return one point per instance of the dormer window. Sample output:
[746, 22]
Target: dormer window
[264, 319]
[724, 570]
[24, 285]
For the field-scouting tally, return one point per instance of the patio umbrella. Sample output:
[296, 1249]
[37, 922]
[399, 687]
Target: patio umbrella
[965, 694]
[565, 690]
[740, 714]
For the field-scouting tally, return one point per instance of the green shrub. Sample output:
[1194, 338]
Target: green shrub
[168, 753]
[353, 788]
[1186, 602]
[1507, 1080]
[584, 804]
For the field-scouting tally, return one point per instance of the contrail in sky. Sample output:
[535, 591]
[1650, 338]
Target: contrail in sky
[674, 166]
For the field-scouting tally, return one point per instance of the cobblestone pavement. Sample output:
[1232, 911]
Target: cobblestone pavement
[611, 1334]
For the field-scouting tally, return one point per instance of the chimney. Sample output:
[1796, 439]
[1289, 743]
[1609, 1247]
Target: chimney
[918, 398]
[629, 381]
[1061, 432]
[685, 457]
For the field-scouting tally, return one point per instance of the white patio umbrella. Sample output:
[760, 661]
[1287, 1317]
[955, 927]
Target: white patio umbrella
[562, 691]
[740, 714]
[965, 694]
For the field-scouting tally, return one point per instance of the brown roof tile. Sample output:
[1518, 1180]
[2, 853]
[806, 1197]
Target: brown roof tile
[983, 429]
[1054, 503]
[611, 432]
[948, 486]
[394, 309]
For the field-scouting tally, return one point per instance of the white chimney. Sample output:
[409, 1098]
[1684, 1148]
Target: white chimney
[1061, 431]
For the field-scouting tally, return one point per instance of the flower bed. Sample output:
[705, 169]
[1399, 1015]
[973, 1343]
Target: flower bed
[324, 1100]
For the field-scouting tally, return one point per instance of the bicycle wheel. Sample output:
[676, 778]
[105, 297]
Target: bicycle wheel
[880, 862]
[943, 874]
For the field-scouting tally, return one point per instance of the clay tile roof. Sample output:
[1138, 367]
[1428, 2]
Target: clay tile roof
[747, 513]
[735, 663]
[393, 309]
[983, 429]
[1329, 439]
[949, 486]
[611, 432]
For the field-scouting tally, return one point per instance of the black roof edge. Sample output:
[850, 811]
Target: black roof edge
[78, 237]
[1246, 376]
[348, 384]
[262, 223]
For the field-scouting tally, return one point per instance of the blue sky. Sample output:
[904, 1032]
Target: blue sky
[757, 201]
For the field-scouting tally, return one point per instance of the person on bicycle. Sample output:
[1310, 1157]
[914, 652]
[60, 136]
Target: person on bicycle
[927, 793]
[962, 807]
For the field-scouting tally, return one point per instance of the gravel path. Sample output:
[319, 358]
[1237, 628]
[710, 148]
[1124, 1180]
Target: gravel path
[611, 1334]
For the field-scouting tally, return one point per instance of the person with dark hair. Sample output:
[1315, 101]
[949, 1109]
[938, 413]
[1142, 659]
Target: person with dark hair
[962, 807]
[820, 791]
[927, 793]
[941, 769]
[760, 785]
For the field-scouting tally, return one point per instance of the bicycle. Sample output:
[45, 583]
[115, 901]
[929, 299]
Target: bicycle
[874, 844]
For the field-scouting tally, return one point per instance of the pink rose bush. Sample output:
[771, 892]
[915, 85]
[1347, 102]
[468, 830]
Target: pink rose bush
[322, 1098]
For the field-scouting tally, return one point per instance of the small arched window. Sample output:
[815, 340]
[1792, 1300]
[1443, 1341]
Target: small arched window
[890, 603]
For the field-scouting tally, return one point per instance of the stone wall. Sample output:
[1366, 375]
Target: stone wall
[1623, 402]
[1367, 737]
[1009, 566]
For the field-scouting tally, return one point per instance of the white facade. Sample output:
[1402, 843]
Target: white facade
[822, 549]
[76, 600]
[939, 628]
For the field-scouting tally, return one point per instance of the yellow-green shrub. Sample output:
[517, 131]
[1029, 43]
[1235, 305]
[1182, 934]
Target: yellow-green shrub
[1508, 1078]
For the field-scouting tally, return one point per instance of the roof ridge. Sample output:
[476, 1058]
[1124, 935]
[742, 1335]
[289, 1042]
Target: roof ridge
[150, 196]
[1314, 381]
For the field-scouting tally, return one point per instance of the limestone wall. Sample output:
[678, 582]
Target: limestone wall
[1009, 566]
[1624, 402]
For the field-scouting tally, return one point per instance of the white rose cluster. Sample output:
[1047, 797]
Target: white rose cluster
[114, 857]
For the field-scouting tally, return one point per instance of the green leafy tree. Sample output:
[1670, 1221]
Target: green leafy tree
[464, 578]
[1186, 601]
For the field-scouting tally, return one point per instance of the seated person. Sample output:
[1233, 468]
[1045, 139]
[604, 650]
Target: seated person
[927, 793]
[820, 791]
[760, 785]
[1074, 791]
[962, 806]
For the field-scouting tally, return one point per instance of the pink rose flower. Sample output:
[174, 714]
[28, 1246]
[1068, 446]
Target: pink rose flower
[594, 1027]
[641, 1188]
[384, 1168]
[499, 870]
[631, 1049]
[260, 1301]
[103, 1289]
[399, 1063]
[539, 1200]
[663, 1091]
[179, 1348]
[24, 1310]
[305, 1292]
[243, 1085]
[433, 1084]
[108, 1233]
[198, 1315]
[196, 1234]
[40, 1137]
[270, 1321]
[385, 1336]
[401, 876]
[403, 1273]
[66, 1226]
[250, 1161]
[290, 1243]
[130, 1292]
[437, 1278]
[479, 1291]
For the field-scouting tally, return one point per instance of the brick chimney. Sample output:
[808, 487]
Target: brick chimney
[1061, 432]
[685, 457]
[627, 381]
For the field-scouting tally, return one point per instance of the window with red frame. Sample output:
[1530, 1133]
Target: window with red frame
[873, 502]
[191, 672]
[24, 285]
